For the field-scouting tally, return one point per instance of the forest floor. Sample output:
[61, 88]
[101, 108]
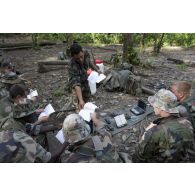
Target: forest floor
[50, 85]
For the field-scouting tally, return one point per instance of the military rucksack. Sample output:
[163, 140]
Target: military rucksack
[123, 80]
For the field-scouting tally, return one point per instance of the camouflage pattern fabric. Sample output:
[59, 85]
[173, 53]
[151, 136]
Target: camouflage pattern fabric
[75, 128]
[22, 110]
[16, 146]
[8, 123]
[123, 80]
[165, 100]
[78, 76]
[171, 141]
[10, 79]
[86, 148]
[6, 107]
[85, 153]
[3, 91]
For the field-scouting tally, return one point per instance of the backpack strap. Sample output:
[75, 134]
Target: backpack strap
[98, 146]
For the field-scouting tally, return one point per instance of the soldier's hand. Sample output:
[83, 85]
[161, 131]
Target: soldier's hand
[150, 126]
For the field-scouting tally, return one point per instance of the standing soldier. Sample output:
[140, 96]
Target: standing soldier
[78, 67]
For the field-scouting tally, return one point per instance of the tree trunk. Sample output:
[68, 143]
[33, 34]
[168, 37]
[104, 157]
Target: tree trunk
[129, 54]
[127, 42]
[142, 41]
[69, 41]
[158, 42]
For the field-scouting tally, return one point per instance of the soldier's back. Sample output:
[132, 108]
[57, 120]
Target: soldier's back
[170, 141]
[89, 152]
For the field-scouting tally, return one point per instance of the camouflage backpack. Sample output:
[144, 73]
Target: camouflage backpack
[123, 80]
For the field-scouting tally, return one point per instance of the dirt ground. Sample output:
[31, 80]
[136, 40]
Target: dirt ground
[50, 85]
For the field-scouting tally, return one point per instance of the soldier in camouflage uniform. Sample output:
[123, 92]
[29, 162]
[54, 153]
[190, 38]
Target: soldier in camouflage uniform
[16, 93]
[169, 140]
[79, 64]
[10, 78]
[16, 146]
[24, 117]
[186, 100]
[85, 147]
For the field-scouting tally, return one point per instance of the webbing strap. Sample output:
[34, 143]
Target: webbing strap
[97, 143]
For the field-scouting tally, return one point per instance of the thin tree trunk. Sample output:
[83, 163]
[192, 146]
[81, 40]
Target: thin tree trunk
[127, 41]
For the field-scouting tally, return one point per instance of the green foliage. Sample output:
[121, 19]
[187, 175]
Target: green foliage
[132, 56]
[182, 66]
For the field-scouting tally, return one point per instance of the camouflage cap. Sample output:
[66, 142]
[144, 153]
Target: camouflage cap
[165, 100]
[22, 110]
[75, 128]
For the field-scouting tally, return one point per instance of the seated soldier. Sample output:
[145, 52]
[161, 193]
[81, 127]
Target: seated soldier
[168, 140]
[6, 104]
[25, 117]
[186, 98]
[9, 77]
[21, 104]
[18, 147]
[84, 147]
[79, 64]
[182, 90]
[7, 66]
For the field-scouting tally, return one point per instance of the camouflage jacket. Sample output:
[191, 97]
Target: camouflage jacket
[170, 141]
[17, 146]
[6, 107]
[78, 73]
[22, 110]
[3, 91]
[7, 81]
[94, 149]
[86, 152]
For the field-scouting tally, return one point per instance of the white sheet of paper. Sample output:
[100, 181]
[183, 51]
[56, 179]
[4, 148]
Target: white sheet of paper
[85, 114]
[49, 109]
[88, 109]
[60, 136]
[101, 77]
[93, 77]
[90, 106]
[34, 93]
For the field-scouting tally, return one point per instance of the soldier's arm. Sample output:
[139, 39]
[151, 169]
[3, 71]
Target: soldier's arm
[32, 129]
[145, 148]
[91, 65]
[79, 96]
[94, 67]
